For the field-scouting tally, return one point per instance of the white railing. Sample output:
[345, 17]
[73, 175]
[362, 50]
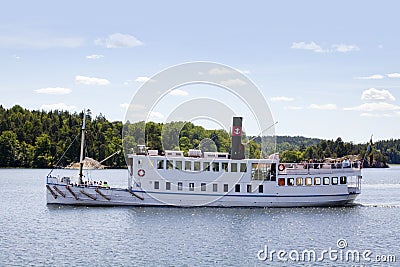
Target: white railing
[318, 168]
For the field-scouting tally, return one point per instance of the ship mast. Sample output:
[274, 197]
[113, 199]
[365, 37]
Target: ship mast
[82, 156]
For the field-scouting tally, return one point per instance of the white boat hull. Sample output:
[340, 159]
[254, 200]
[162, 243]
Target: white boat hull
[90, 196]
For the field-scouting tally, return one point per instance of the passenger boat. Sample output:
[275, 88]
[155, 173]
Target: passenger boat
[215, 179]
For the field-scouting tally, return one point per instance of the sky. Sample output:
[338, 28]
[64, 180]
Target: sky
[326, 68]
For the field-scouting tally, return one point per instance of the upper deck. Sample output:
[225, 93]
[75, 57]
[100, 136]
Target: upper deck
[260, 169]
[319, 168]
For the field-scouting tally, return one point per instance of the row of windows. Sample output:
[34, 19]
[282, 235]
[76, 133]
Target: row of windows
[200, 166]
[203, 187]
[299, 181]
[308, 181]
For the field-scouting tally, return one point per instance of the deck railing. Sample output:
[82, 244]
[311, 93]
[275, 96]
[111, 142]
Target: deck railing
[318, 168]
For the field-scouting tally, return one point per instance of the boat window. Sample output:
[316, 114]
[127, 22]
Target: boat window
[139, 162]
[243, 167]
[334, 180]
[233, 167]
[326, 181]
[188, 165]
[215, 166]
[299, 181]
[273, 172]
[226, 188]
[191, 186]
[343, 180]
[168, 186]
[256, 173]
[179, 185]
[156, 185]
[169, 165]
[196, 166]
[281, 181]
[249, 188]
[225, 166]
[261, 171]
[308, 181]
[160, 164]
[206, 166]
[290, 181]
[178, 165]
[203, 186]
[237, 187]
[215, 187]
[260, 188]
[317, 181]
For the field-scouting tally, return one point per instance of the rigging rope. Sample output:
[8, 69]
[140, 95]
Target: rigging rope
[63, 155]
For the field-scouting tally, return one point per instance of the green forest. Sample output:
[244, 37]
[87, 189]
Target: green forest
[44, 139]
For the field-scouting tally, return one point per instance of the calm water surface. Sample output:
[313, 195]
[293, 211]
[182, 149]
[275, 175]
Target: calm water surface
[34, 234]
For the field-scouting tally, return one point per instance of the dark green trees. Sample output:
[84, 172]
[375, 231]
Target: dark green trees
[9, 148]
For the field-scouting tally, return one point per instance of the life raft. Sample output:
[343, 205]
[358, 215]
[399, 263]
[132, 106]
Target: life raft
[281, 167]
[141, 172]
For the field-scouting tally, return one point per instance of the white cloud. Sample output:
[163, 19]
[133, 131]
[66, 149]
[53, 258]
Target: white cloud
[371, 77]
[124, 105]
[393, 75]
[127, 82]
[119, 40]
[54, 91]
[374, 107]
[39, 41]
[343, 48]
[156, 115]
[58, 106]
[312, 46]
[143, 79]
[233, 82]
[94, 56]
[323, 107]
[293, 108]
[224, 71]
[220, 71]
[91, 80]
[376, 115]
[375, 94]
[137, 107]
[178, 92]
[308, 46]
[281, 99]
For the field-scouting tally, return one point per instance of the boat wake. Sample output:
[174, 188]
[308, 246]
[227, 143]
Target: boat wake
[381, 186]
[379, 205]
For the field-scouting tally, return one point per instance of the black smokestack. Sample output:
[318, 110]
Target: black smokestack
[237, 146]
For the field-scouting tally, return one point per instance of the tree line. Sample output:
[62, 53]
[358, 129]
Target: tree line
[43, 139]
[38, 139]
[296, 149]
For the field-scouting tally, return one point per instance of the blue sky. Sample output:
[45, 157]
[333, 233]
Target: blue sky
[327, 68]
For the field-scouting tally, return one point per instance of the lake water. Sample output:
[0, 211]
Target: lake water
[34, 234]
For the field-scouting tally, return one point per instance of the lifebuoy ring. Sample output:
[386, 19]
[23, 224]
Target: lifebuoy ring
[281, 167]
[141, 172]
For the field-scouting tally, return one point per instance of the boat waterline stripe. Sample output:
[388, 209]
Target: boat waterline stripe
[238, 195]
